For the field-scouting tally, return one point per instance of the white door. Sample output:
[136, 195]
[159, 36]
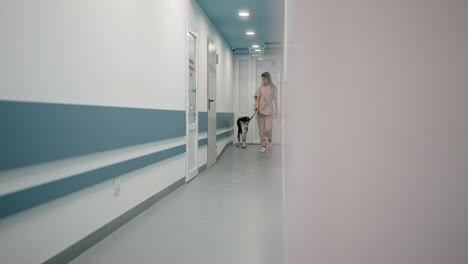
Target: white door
[244, 97]
[191, 108]
[273, 67]
[211, 148]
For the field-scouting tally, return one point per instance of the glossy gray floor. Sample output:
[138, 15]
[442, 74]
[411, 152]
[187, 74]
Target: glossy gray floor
[230, 213]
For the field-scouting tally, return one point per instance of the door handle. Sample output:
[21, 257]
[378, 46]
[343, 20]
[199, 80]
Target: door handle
[209, 103]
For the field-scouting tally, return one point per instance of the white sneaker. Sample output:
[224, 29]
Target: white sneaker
[263, 150]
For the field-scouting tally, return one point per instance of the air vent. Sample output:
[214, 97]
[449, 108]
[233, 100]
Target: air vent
[240, 51]
[273, 43]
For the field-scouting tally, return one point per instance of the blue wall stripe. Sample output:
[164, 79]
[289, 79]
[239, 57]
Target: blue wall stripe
[203, 142]
[202, 122]
[32, 133]
[225, 135]
[28, 198]
[223, 120]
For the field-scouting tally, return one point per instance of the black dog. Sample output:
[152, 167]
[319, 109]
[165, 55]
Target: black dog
[242, 129]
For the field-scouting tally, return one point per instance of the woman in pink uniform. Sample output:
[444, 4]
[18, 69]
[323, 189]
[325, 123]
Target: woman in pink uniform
[267, 94]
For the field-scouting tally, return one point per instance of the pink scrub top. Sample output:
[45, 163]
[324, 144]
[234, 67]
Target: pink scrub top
[266, 94]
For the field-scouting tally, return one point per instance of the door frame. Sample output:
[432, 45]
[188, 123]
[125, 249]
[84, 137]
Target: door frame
[208, 164]
[188, 176]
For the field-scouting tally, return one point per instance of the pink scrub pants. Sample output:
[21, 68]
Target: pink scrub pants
[264, 127]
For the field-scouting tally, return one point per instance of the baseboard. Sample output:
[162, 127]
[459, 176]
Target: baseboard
[202, 168]
[92, 239]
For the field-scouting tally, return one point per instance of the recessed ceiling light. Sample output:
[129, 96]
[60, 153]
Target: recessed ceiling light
[250, 32]
[255, 46]
[244, 13]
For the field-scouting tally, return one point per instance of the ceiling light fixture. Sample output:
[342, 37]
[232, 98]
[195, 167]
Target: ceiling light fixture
[255, 46]
[244, 13]
[250, 33]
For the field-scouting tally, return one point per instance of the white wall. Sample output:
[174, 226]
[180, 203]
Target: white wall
[376, 155]
[225, 92]
[107, 53]
[111, 53]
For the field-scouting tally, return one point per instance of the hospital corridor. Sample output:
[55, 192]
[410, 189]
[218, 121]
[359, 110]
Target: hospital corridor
[234, 131]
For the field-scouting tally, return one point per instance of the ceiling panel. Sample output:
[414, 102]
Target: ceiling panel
[266, 19]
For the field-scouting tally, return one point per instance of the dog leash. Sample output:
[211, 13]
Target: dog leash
[254, 114]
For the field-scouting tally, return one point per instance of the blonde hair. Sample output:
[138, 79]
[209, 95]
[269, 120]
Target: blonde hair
[267, 76]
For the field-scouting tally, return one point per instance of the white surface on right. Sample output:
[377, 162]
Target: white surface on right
[376, 146]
